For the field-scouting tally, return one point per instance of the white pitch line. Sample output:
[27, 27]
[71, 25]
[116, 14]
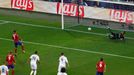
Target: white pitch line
[73, 49]
[41, 26]
[4, 22]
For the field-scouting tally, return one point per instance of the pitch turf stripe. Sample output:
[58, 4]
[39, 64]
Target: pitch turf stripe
[74, 49]
[41, 26]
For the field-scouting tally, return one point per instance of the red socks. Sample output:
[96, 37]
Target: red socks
[12, 72]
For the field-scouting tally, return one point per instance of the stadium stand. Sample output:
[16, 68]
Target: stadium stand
[114, 4]
[111, 4]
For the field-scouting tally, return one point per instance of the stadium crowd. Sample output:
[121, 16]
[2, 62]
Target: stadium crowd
[112, 4]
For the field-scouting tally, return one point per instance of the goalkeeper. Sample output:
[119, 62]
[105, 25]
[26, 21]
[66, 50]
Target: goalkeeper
[114, 35]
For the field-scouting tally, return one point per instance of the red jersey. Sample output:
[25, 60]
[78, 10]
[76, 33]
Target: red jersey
[100, 66]
[15, 37]
[10, 59]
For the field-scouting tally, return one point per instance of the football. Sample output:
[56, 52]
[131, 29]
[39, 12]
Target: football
[89, 28]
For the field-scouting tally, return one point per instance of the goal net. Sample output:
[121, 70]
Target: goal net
[73, 18]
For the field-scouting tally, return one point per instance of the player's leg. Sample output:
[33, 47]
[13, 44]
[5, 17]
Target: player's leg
[15, 49]
[22, 46]
[59, 68]
[101, 73]
[35, 69]
[35, 72]
[13, 71]
[97, 73]
[7, 73]
[12, 67]
[31, 72]
[32, 67]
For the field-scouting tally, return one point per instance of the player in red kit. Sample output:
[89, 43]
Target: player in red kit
[101, 67]
[17, 41]
[10, 62]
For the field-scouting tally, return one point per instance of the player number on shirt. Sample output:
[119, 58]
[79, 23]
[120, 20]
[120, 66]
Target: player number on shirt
[3, 70]
[34, 58]
[100, 65]
[9, 58]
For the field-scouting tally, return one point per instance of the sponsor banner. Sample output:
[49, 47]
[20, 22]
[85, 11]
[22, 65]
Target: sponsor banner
[122, 16]
[5, 3]
[30, 5]
[97, 13]
[109, 14]
[70, 10]
[22, 4]
[45, 6]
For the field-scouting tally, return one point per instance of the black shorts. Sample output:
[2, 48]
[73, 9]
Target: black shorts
[19, 43]
[99, 73]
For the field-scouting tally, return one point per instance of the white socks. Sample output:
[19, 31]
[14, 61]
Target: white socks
[33, 72]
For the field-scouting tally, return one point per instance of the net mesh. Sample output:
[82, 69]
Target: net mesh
[73, 23]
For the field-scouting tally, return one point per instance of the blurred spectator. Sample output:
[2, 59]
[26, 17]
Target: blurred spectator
[116, 4]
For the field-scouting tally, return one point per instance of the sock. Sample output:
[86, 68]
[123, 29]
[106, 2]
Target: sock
[35, 72]
[6, 73]
[12, 72]
[15, 50]
[31, 72]
[22, 47]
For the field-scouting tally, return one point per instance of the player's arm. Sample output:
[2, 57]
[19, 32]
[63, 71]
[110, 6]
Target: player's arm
[13, 60]
[67, 62]
[6, 60]
[105, 68]
[38, 60]
[12, 37]
[28, 61]
[20, 38]
[0, 69]
[96, 66]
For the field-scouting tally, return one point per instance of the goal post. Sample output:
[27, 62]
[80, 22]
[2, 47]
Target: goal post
[62, 15]
[70, 14]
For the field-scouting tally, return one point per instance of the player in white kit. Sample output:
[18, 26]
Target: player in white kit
[3, 70]
[63, 62]
[34, 59]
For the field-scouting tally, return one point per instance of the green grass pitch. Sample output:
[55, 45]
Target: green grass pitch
[82, 49]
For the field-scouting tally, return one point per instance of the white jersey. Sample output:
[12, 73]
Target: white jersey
[3, 69]
[34, 58]
[63, 61]
[62, 73]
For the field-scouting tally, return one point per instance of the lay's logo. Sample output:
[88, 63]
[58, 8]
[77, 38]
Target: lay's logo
[22, 4]
[70, 10]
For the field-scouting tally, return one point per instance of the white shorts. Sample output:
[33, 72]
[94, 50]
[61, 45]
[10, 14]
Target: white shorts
[33, 66]
[3, 74]
[61, 66]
